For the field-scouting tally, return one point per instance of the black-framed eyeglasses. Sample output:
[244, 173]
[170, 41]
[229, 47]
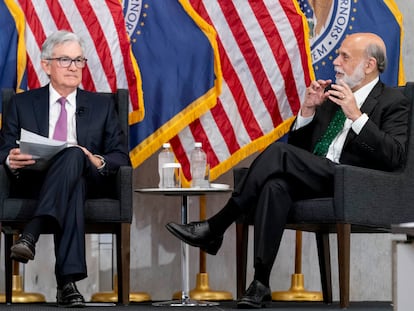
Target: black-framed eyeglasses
[66, 62]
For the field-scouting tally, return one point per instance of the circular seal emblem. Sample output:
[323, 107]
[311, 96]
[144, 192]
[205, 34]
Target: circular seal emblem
[328, 22]
[132, 13]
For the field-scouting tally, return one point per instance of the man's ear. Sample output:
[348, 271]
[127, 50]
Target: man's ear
[45, 66]
[371, 65]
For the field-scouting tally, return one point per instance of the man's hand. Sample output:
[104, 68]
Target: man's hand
[19, 160]
[315, 96]
[96, 161]
[343, 96]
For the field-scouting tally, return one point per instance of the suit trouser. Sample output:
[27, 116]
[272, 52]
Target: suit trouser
[61, 193]
[280, 175]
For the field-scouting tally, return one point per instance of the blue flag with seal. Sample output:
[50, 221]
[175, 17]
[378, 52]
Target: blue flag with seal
[330, 21]
[12, 48]
[177, 54]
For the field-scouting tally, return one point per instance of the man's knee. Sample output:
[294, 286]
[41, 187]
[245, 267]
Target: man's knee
[73, 152]
[282, 148]
[276, 185]
[71, 158]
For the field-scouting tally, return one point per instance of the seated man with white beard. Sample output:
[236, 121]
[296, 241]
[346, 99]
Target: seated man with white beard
[356, 121]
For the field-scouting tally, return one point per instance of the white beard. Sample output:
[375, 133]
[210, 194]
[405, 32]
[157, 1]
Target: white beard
[355, 78]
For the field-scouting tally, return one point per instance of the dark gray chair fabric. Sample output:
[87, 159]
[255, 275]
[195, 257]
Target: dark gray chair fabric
[104, 215]
[364, 201]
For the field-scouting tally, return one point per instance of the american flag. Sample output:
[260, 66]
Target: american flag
[265, 62]
[101, 25]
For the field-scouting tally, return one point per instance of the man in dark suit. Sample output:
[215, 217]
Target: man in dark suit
[356, 121]
[87, 122]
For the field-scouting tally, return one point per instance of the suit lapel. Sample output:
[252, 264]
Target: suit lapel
[40, 106]
[83, 113]
[372, 99]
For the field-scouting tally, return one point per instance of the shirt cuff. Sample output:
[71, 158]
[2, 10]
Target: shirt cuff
[359, 123]
[103, 163]
[14, 171]
[302, 121]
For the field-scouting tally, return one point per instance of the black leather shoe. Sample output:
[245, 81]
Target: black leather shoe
[24, 248]
[197, 234]
[69, 297]
[256, 296]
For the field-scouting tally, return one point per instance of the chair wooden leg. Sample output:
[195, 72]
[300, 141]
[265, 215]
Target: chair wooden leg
[123, 263]
[344, 244]
[8, 242]
[242, 235]
[322, 242]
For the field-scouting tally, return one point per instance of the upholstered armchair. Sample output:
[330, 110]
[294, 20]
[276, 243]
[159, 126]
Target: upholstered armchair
[103, 215]
[364, 201]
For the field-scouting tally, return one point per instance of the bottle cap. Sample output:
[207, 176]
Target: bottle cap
[198, 144]
[166, 145]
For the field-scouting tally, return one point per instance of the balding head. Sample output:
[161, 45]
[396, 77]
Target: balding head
[361, 58]
[372, 45]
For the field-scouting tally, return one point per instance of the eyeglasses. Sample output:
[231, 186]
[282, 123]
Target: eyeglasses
[66, 62]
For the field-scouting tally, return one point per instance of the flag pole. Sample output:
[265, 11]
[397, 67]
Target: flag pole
[18, 293]
[297, 291]
[112, 296]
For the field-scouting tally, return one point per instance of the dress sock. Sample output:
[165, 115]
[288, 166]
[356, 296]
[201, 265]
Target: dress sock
[224, 218]
[63, 280]
[262, 274]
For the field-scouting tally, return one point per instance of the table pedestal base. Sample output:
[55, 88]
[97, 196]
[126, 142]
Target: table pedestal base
[185, 303]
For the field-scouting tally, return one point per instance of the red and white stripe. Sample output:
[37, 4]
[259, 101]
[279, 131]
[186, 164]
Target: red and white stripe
[101, 25]
[265, 73]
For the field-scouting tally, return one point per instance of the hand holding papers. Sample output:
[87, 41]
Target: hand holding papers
[41, 148]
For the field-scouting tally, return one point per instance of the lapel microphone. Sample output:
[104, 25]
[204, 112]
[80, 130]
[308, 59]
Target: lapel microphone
[80, 111]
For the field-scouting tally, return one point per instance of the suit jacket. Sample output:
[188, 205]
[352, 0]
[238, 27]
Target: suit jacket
[97, 127]
[382, 142]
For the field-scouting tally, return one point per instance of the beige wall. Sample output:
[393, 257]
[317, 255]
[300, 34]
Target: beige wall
[155, 256]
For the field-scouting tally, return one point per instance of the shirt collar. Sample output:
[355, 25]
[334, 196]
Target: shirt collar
[54, 96]
[362, 94]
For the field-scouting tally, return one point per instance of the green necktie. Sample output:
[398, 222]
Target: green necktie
[334, 127]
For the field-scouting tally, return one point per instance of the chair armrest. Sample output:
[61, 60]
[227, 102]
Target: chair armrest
[124, 192]
[372, 197]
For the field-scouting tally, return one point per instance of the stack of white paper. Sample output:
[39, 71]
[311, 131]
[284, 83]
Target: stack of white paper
[41, 148]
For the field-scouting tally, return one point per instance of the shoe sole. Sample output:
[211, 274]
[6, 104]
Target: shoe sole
[212, 248]
[72, 305]
[252, 305]
[21, 253]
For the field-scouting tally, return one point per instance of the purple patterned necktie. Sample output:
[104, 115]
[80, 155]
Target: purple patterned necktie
[61, 128]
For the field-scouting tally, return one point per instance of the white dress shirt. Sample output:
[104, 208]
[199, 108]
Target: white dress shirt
[335, 148]
[54, 111]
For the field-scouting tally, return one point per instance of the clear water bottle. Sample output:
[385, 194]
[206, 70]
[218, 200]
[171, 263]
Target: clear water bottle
[198, 166]
[165, 156]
